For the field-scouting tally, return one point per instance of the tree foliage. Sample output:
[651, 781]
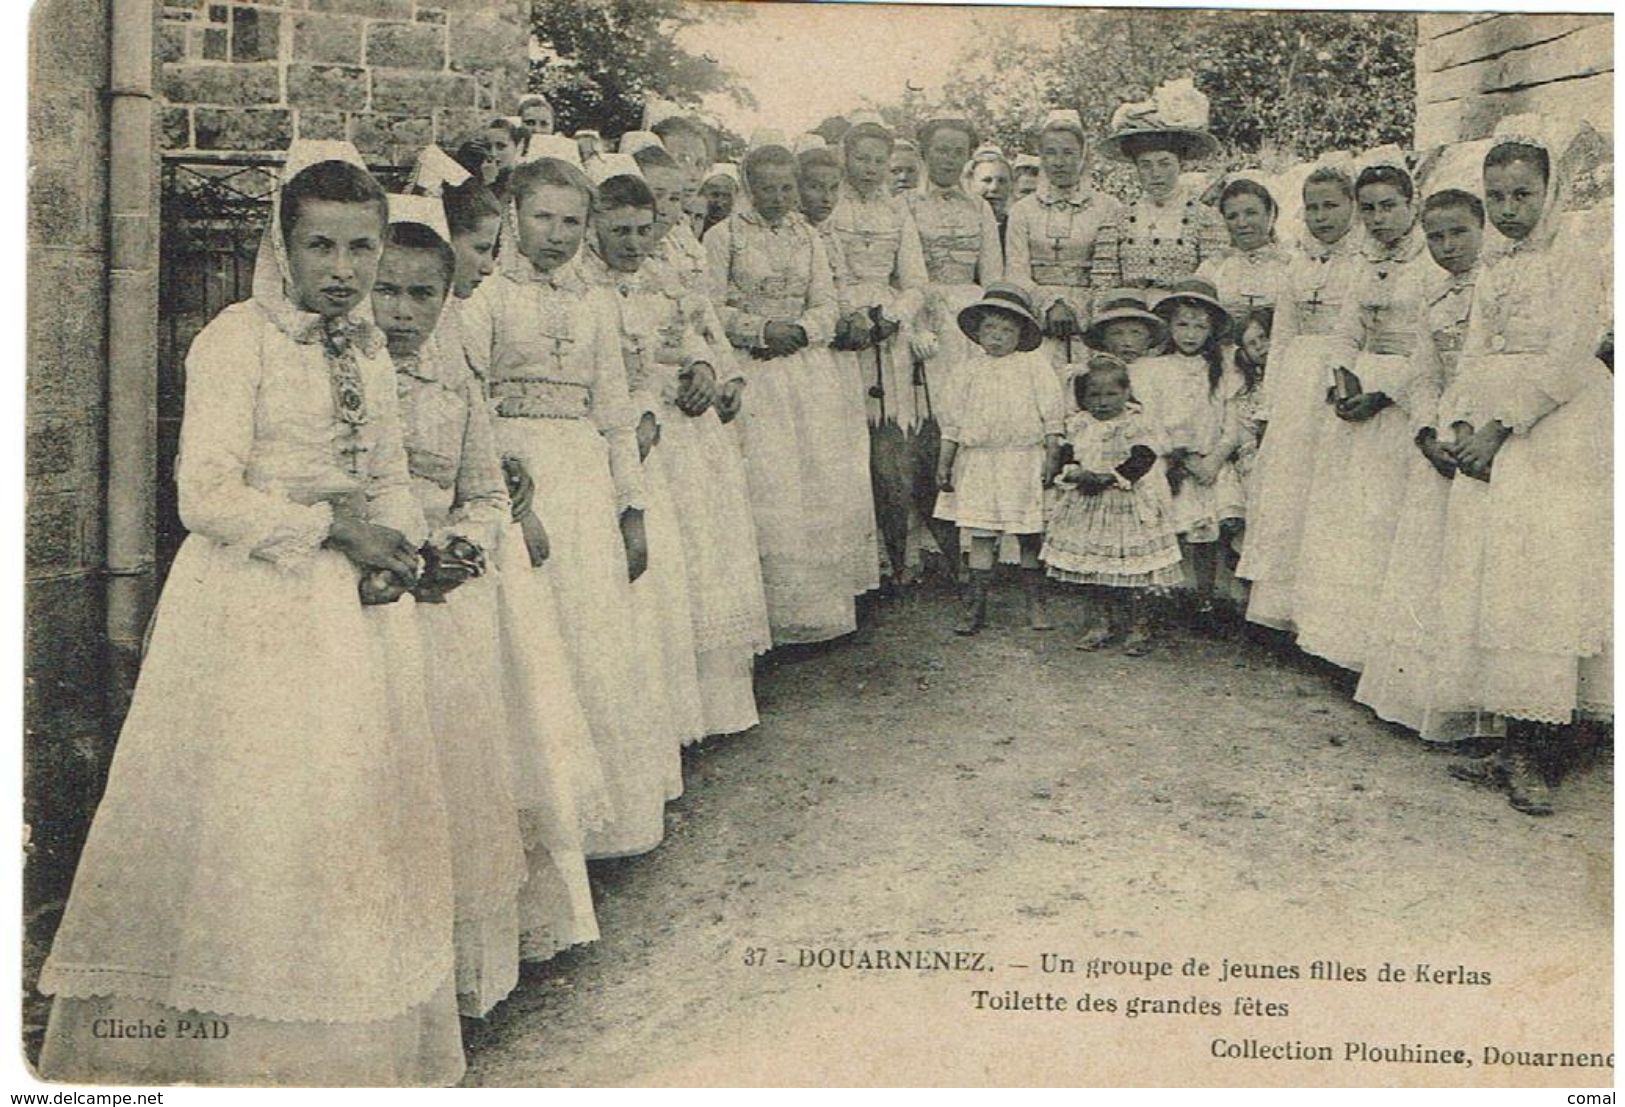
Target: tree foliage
[1287, 85]
[598, 61]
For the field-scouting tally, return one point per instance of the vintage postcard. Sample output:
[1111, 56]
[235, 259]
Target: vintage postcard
[697, 543]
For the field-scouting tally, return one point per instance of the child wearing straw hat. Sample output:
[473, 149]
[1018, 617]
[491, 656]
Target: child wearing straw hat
[1123, 325]
[1001, 440]
[1184, 392]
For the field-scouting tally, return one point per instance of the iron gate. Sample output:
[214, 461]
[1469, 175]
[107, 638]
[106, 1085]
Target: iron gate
[214, 213]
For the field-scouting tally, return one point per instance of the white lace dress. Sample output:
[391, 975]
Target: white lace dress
[1360, 469]
[1001, 410]
[1121, 537]
[698, 464]
[1526, 619]
[1316, 283]
[1396, 682]
[1247, 279]
[270, 858]
[549, 349]
[1189, 415]
[799, 464]
[854, 428]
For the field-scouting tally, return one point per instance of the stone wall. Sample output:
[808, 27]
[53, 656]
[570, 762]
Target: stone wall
[389, 75]
[64, 650]
[1474, 68]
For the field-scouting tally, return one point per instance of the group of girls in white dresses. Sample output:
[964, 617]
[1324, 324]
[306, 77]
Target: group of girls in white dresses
[496, 491]
[1420, 513]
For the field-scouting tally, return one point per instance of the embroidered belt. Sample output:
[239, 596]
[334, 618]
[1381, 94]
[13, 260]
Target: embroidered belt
[433, 467]
[1075, 274]
[541, 398]
[770, 307]
[949, 271]
[1389, 343]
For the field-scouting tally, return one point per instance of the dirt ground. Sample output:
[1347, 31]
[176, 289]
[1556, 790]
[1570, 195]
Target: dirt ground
[1010, 795]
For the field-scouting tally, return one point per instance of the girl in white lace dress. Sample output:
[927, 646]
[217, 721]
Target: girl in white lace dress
[1314, 284]
[517, 866]
[1525, 627]
[881, 285]
[548, 346]
[689, 455]
[774, 290]
[1185, 392]
[1248, 274]
[1001, 439]
[268, 876]
[1359, 478]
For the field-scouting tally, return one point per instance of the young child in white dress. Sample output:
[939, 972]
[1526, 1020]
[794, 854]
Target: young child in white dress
[1112, 527]
[1184, 393]
[1001, 439]
[1243, 431]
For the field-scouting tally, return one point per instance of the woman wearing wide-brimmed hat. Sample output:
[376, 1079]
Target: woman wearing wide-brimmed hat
[1166, 232]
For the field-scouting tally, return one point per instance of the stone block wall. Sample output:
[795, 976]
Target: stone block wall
[389, 75]
[64, 744]
[1474, 68]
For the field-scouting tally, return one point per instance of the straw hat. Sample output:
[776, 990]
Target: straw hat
[1200, 293]
[1123, 303]
[808, 141]
[1175, 118]
[1006, 299]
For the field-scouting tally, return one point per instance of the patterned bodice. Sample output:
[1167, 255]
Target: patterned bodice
[950, 224]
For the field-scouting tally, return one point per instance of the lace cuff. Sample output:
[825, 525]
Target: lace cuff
[745, 330]
[626, 469]
[293, 542]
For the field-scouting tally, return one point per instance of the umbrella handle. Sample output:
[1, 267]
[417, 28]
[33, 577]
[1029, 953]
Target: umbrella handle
[925, 385]
[880, 381]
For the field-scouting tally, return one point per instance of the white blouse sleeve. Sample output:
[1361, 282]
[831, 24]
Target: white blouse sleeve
[477, 327]
[391, 501]
[1018, 253]
[482, 511]
[743, 329]
[612, 410]
[223, 372]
